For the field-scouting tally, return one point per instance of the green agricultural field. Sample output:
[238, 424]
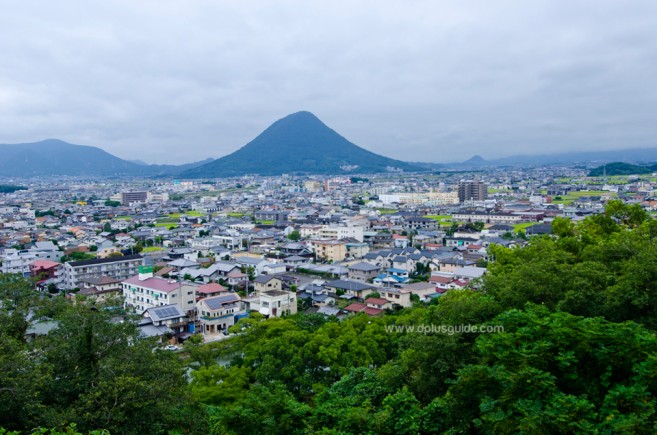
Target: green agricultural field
[194, 213]
[523, 226]
[152, 249]
[439, 217]
[191, 213]
[166, 220]
[573, 196]
[168, 225]
[123, 218]
[235, 215]
[387, 210]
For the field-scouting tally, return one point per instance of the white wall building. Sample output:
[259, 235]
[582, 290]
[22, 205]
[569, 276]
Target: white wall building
[144, 291]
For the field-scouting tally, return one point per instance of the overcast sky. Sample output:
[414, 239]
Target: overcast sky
[179, 81]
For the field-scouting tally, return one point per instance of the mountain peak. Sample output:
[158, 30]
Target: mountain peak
[299, 118]
[476, 160]
[298, 143]
[301, 115]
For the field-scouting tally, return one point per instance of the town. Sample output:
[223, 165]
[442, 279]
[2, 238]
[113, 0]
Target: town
[195, 257]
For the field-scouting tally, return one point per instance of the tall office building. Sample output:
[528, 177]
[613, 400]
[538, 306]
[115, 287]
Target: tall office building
[472, 190]
[128, 198]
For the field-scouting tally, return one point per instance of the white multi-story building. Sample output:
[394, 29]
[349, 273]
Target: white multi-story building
[158, 197]
[15, 261]
[426, 198]
[46, 251]
[75, 272]
[144, 291]
[337, 232]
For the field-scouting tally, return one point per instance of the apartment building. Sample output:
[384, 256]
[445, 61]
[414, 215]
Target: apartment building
[128, 198]
[472, 190]
[121, 268]
[15, 261]
[18, 261]
[330, 250]
[144, 291]
[337, 232]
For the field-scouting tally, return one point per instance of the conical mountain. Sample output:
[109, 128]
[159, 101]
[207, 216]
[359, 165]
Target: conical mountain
[297, 144]
[475, 161]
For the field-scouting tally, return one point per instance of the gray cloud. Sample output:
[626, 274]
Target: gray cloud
[177, 81]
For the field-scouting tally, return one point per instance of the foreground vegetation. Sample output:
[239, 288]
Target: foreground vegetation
[578, 353]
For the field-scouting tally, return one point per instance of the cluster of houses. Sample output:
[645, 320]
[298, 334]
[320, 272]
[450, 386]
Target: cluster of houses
[195, 257]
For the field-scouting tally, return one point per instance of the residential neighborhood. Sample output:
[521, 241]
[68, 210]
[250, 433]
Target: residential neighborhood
[217, 251]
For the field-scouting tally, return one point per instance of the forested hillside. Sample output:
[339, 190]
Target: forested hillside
[578, 353]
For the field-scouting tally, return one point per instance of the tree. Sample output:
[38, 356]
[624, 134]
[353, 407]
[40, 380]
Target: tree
[476, 226]
[294, 235]
[555, 361]
[267, 408]
[563, 227]
[105, 375]
[89, 369]
[107, 227]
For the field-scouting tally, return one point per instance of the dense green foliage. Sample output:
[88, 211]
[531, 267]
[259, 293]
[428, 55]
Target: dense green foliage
[621, 168]
[91, 369]
[11, 188]
[575, 350]
[577, 353]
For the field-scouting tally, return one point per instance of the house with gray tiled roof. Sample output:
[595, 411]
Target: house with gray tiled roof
[217, 314]
[363, 271]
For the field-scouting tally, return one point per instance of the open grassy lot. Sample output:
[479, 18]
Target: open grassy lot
[573, 196]
[152, 249]
[523, 226]
[438, 217]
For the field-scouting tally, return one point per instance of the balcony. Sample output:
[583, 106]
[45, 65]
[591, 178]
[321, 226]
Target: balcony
[216, 319]
[178, 324]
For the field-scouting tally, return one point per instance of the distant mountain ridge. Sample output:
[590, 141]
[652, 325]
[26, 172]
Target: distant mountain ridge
[298, 144]
[621, 168]
[56, 157]
[635, 155]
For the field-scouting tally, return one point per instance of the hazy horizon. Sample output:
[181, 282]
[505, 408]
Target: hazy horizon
[175, 82]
